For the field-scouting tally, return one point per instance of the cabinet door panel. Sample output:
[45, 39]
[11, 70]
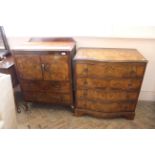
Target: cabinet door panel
[28, 67]
[55, 67]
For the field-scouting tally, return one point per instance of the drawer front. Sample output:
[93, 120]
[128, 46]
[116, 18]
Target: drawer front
[106, 95]
[105, 107]
[108, 70]
[114, 84]
[54, 98]
[50, 86]
[125, 84]
[56, 67]
[85, 83]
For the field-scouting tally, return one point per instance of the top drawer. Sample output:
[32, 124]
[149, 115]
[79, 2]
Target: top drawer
[110, 69]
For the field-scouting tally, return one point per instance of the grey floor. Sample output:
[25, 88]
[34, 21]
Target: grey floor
[42, 116]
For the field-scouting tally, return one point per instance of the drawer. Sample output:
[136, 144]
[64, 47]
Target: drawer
[54, 98]
[114, 84]
[85, 83]
[105, 106]
[106, 95]
[108, 70]
[125, 84]
[50, 86]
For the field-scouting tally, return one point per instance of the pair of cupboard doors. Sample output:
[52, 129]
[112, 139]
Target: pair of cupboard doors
[45, 76]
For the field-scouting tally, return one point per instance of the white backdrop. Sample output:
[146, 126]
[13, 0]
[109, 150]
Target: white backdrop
[112, 18]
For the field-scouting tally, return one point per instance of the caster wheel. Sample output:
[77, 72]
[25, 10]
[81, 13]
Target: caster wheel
[18, 110]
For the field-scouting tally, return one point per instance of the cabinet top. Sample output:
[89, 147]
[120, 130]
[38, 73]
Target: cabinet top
[41, 44]
[109, 54]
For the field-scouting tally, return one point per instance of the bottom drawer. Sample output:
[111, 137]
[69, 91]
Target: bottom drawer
[42, 85]
[113, 96]
[54, 98]
[106, 107]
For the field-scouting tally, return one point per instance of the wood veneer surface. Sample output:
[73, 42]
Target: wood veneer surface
[105, 54]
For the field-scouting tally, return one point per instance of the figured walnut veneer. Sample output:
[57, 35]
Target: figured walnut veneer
[108, 81]
[44, 68]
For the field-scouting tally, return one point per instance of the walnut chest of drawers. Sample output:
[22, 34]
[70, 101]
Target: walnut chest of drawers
[108, 81]
[44, 68]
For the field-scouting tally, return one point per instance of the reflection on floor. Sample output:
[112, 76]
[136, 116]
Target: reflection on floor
[49, 116]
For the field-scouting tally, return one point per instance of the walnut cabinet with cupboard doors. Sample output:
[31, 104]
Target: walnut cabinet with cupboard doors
[108, 81]
[45, 74]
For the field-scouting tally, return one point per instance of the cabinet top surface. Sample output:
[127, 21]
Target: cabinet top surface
[41, 44]
[108, 54]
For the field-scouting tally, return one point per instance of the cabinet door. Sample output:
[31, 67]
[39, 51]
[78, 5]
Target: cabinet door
[55, 67]
[28, 67]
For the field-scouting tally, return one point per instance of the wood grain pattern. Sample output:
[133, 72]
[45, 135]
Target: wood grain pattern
[56, 67]
[45, 86]
[99, 94]
[108, 81]
[45, 71]
[113, 84]
[105, 54]
[106, 106]
[114, 69]
[127, 115]
[28, 67]
[47, 97]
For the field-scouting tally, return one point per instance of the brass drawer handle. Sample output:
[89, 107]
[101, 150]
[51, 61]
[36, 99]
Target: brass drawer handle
[44, 67]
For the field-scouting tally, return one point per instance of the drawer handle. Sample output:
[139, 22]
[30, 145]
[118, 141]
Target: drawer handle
[44, 67]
